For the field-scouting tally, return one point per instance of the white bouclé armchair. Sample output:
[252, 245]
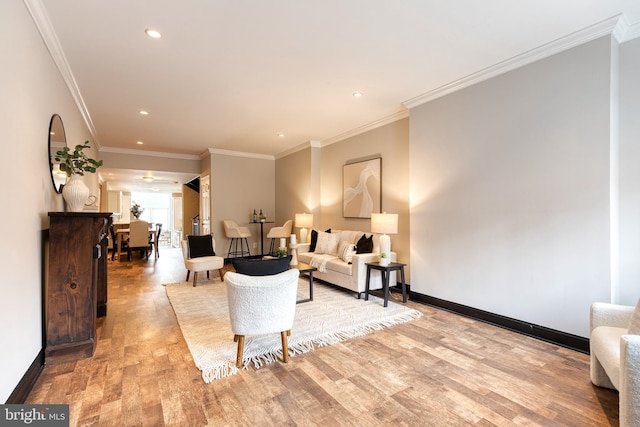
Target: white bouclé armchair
[261, 305]
[615, 355]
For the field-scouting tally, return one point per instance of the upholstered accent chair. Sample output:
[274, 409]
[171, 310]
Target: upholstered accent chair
[615, 355]
[199, 255]
[261, 305]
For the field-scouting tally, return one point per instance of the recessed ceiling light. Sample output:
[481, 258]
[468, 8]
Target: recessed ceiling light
[143, 112]
[154, 34]
[281, 135]
[147, 178]
[357, 94]
[139, 142]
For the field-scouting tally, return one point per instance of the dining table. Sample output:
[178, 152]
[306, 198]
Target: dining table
[122, 233]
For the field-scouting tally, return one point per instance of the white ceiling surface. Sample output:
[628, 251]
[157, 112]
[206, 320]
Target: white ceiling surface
[231, 75]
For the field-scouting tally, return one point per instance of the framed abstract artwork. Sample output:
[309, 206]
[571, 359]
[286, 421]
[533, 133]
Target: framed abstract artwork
[361, 183]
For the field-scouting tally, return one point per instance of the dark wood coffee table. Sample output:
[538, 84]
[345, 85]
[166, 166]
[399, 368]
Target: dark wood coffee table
[307, 269]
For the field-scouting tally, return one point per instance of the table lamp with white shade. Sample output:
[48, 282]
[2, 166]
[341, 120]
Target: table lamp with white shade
[384, 223]
[304, 221]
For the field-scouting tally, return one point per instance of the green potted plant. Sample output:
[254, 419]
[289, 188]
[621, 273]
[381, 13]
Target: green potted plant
[280, 253]
[384, 259]
[74, 164]
[76, 161]
[136, 210]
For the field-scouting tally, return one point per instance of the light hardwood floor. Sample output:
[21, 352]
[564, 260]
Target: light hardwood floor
[440, 370]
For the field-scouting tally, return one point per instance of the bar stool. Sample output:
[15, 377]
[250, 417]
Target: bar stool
[237, 235]
[280, 232]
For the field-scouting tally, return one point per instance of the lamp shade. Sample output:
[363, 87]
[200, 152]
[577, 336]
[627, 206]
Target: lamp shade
[384, 223]
[304, 220]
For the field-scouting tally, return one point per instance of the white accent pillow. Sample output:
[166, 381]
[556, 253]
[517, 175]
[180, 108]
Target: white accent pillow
[327, 243]
[634, 323]
[346, 251]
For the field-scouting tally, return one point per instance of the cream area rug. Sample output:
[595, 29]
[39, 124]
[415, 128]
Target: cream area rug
[331, 317]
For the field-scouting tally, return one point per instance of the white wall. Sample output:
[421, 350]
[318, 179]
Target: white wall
[31, 90]
[510, 191]
[629, 290]
[238, 186]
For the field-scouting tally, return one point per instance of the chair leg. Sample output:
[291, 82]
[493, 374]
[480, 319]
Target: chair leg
[248, 250]
[188, 273]
[229, 250]
[240, 340]
[195, 278]
[285, 346]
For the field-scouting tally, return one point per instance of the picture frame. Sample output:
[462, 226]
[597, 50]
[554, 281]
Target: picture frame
[362, 188]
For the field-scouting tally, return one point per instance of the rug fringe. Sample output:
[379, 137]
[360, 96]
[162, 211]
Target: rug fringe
[274, 353]
[218, 371]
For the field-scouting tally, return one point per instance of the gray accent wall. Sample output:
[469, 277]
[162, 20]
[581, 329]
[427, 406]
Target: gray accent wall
[510, 191]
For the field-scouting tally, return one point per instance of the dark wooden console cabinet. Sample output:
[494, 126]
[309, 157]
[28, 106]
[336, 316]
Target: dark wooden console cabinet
[77, 283]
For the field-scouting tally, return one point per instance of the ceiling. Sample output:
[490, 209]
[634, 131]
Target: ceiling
[233, 75]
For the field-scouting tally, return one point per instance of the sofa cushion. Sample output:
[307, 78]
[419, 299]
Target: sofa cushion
[200, 246]
[339, 266]
[261, 267]
[327, 243]
[365, 245]
[634, 323]
[314, 239]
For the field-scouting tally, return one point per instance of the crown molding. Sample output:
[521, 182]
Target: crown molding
[300, 147]
[241, 154]
[43, 23]
[577, 38]
[365, 128]
[147, 153]
[625, 31]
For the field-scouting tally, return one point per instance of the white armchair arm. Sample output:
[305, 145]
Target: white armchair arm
[630, 380]
[605, 314]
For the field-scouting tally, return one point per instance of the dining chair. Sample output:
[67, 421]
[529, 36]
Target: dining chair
[154, 240]
[124, 244]
[139, 238]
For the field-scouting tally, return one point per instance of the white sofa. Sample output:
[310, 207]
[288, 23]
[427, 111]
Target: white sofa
[615, 357]
[350, 276]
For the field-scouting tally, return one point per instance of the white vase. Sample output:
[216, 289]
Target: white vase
[76, 193]
[385, 261]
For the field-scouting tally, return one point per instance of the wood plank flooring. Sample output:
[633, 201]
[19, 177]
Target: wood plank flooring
[440, 370]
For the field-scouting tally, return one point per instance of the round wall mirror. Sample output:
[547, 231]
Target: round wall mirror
[57, 141]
